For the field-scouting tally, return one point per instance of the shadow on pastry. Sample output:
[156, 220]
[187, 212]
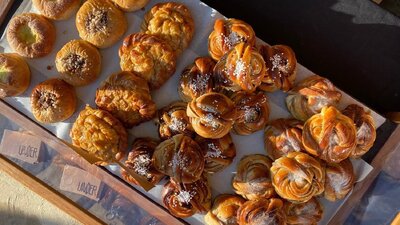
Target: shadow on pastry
[15, 75]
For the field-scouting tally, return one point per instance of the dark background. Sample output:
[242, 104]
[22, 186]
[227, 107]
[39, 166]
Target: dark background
[354, 43]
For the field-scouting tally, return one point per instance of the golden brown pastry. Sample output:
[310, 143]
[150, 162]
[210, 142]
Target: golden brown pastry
[78, 62]
[281, 64]
[100, 134]
[330, 135]
[31, 35]
[310, 95]
[53, 101]
[224, 210]
[184, 200]
[253, 179]
[149, 57]
[298, 177]
[262, 211]
[58, 9]
[173, 120]
[339, 180]
[131, 5]
[181, 158]
[139, 160]
[226, 34]
[127, 97]
[252, 112]
[212, 115]
[100, 23]
[307, 213]
[15, 75]
[171, 22]
[283, 136]
[366, 129]
[242, 68]
[218, 153]
[196, 79]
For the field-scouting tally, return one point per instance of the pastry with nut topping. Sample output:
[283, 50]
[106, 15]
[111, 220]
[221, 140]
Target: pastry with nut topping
[127, 97]
[53, 101]
[101, 23]
[78, 62]
[97, 132]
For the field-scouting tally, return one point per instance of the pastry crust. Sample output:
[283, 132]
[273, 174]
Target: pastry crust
[212, 115]
[101, 23]
[78, 62]
[15, 75]
[242, 68]
[196, 79]
[181, 158]
[53, 101]
[148, 56]
[58, 9]
[283, 136]
[330, 135]
[298, 177]
[366, 129]
[253, 179]
[308, 213]
[131, 5]
[339, 180]
[173, 120]
[252, 112]
[184, 200]
[100, 134]
[127, 97]
[281, 64]
[139, 160]
[262, 211]
[310, 96]
[31, 35]
[226, 34]
[218, 153]
[224, 210]
[171, 22]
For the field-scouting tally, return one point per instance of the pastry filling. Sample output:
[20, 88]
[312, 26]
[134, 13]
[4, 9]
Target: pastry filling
[74, 63]
[47, 100]
[97, 21]
[26, 35]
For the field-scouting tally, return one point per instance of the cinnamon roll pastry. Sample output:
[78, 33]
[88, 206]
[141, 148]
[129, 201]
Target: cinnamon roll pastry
[172, 22]
[218, 153]
[310, 96]
[224, 210]
[262, 211]
[196, 79]
[252, 112]
[173, 120]
[283, 136]
[281, 64]
[212, 115]
[99, 133]
[330, 135]
[297, 177]
[253, 179]
[307, 213]
[366, 130]
[149, 57]
[339, 180]
[127, 97]
[242, 68]
[184, 200]
[181, 158]
[226, 34]
[139, 160]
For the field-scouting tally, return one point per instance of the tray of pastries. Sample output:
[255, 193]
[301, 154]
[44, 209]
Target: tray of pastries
[218, 126]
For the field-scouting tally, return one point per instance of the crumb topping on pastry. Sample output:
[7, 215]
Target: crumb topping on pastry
[47, 100]
[97, 21]
[74, 63]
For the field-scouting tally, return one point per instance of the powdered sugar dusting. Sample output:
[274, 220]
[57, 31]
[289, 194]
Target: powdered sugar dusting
[278, 62]
[200, 83]
[184, 197]
[210, 120]
[141, 165]
[240, 67]
[215, 151]
[177, 124]
[363, 131]
[250, 114]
